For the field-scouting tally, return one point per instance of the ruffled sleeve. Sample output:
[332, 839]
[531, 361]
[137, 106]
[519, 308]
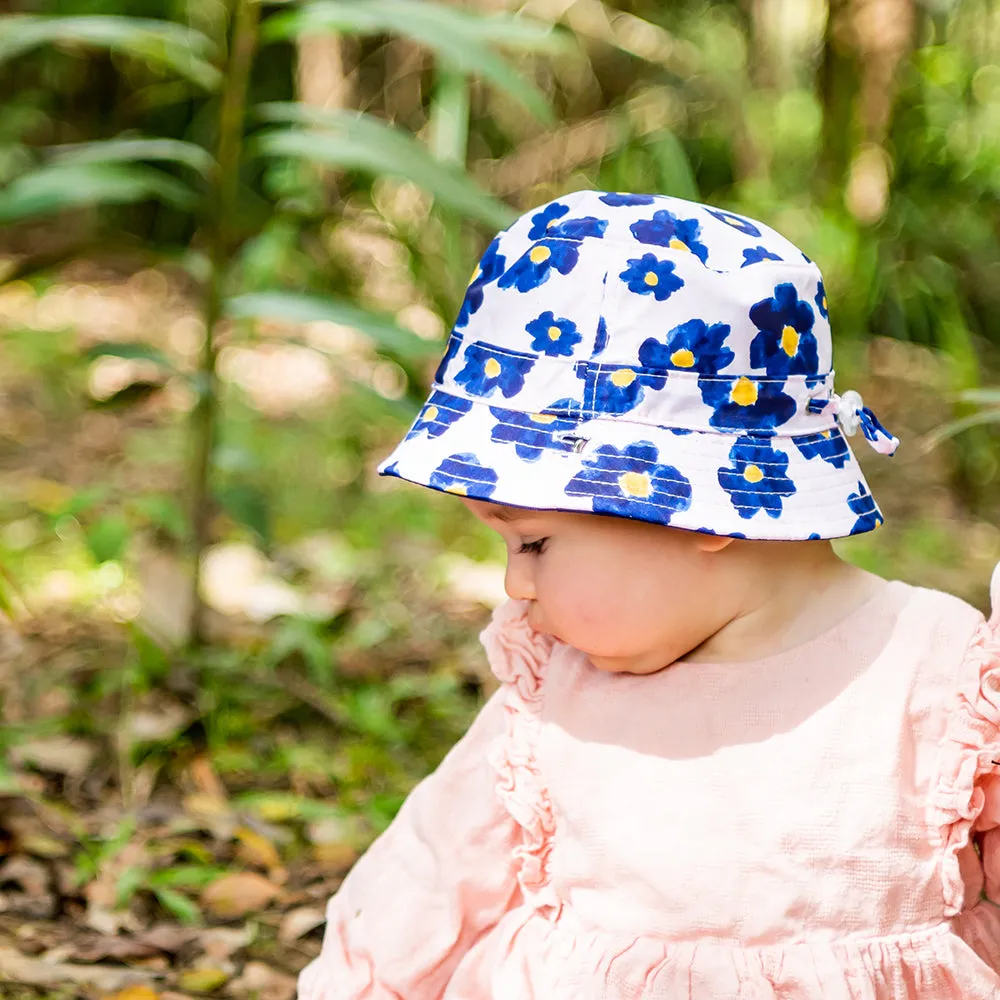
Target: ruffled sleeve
[438, 879]
[968, 793]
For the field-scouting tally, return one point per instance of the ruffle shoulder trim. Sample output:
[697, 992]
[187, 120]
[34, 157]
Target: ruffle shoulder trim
[518, 656]
[970, 750]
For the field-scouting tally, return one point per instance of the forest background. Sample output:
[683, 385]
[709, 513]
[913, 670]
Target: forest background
[234, 236]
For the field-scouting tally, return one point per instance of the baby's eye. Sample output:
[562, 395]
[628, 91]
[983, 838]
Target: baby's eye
[536, 547]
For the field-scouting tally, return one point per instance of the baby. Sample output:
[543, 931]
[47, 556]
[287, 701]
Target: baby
[722, 763]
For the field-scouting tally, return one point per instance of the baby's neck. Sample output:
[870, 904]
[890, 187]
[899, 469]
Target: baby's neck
[785, 594]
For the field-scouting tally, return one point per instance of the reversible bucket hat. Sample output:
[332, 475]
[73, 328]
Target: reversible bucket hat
[647, 357]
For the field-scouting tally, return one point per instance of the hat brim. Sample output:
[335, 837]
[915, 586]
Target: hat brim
[775, 487]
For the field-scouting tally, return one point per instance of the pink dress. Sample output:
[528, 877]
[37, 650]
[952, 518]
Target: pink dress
[817, 825]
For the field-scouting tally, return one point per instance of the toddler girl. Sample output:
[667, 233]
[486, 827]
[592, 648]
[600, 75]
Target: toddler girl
[722, 763]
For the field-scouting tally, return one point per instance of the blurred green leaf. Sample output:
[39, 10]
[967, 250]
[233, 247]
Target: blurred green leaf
[247, 505]
[458, 37]
[360, 142]
[178, 904]
[296, 307]
[955, 427]
[449, 117]
[128, 150]
[173, 46]
[128, 883]
[58, 187]
[676, 176]
[108, 537]
[133, 351]
[164, 512]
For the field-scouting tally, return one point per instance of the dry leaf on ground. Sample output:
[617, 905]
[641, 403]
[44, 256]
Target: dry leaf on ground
[14, 967]
[263, 983]
[139, 992]
[295, 923]
[238, 894]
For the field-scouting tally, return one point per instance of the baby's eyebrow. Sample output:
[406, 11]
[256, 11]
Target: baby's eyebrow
[510, 514]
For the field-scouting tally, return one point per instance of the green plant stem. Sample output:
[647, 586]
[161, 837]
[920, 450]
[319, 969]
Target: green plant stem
[225, 188]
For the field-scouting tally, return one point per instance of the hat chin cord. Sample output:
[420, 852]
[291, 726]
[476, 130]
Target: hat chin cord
[853, 415]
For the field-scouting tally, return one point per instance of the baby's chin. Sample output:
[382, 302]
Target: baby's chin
[638, 665]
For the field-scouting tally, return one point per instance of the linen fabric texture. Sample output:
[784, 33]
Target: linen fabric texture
[646, 357]
[817, 825]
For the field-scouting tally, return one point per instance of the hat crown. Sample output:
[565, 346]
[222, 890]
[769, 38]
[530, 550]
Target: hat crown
[664, 310]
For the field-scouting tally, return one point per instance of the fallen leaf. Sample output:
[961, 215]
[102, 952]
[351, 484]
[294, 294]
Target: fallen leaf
[219, 943]
[59, 755]
[14, 967]
[264, 983]
[335, 857]
[93, 948]
[295, 923]
[238, 894]
[139, 992]
[205, 779]
[203, 980]
[168, 938]
[256, 849]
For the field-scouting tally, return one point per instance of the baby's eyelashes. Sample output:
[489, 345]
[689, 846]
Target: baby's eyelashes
[536, 547]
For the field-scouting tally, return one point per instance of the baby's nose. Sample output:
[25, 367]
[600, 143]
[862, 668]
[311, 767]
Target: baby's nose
[517, 580]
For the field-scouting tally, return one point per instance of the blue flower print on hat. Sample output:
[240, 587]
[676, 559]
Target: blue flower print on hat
[664, 229]
[746, 404]
[830, 447]
[601, 340]
[546, 223]
[618, 390]
[617, 199]
[692, 346]
[464, 475]
[618, 480]
[554, 337]
[821, 301]
[862, 503]
[754, 255]
[454, 343]
[440, 411]
[648, 275]
[486, 368]
[490, 268]
[736, 221]
[533, 268]
[532, 433]
[757, 480]
[786, 344]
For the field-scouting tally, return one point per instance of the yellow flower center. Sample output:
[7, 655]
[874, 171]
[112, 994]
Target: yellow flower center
[676, 244]
[542, 418]
[682, 358]
[635, 484]
[744, 392]
[623, 377]
[790, 341]
[651, 278]
[825, 434]
[538, 255]
[475, 274]
[492, 368]
[431, 413]
[460, 488]
[554, 333]
[825, 307]
[752, 474]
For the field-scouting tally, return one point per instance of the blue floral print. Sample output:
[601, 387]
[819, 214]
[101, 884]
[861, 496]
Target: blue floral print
[648, 275]
[736, 221]
[664, 229]
[620, 389]
[620, 481]
[490, 267]
[553, 337]
[534, 267]
[754, 255]
[821, 301]
[440, 411]
[862, 503]
[464, 475]
[827, 445]
[601, 341]
[486, 367]
[532, 433]
[616, 199]
[786, 344]
[546, 223]
[756, 480]
[454, 343]
[746, 404]
[692, 346]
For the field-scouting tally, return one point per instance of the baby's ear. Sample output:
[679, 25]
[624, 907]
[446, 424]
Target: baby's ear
[711, 543]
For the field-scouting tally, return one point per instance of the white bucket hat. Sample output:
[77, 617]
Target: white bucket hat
[646, 357]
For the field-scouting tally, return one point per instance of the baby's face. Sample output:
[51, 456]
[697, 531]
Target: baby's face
[632, 596]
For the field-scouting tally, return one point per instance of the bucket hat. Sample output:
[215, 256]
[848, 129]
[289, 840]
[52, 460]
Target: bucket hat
[647, 357]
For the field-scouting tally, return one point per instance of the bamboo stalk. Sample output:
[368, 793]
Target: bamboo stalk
[204, 418]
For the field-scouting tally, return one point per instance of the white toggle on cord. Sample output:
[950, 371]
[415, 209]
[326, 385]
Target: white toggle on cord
[853, 416]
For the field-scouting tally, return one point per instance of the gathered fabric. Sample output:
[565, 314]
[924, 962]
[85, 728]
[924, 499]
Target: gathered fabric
[821, 824]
